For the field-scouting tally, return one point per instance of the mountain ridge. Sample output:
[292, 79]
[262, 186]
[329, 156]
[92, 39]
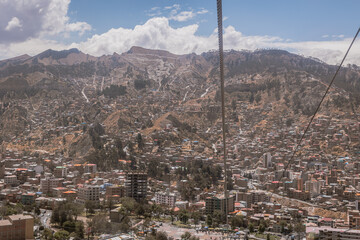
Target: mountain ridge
[111, 89]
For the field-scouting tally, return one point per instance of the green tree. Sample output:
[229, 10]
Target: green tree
[55, 217]
[251, 228]
[98, 223]
[258, 97]
[299, 228]
[218, 217]
[186, 236]
[90, 207]
[156, 210]
[61, 235]
[233, 105]
[283, 225]
[125, 225]
[79, 230]
[47, 234]
[196, 217]
[140, 141]
[261, 228]
[119, 148]
[140, 210]
[129, 205]
[69, 226]
[157, 236]
[290, 228]
[237, 221]
[251, 98]
[109, 204]
[209, 220]
[37, 210]
[183, 216]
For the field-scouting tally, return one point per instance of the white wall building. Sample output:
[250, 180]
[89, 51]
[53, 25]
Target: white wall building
[164, 198]
[89, 193]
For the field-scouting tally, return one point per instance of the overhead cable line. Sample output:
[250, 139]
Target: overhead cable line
[318, 107]
[221, 61]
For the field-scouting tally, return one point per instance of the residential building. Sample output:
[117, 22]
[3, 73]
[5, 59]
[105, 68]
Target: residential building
[115, 191]
[89, 193]
[116, 215]
[17, 227]
[28, 198]
[165, 198]
[329, 233]
[267, 160]
[136, 185]
[2, 169]
[90, 168]
[219, 203]
[47, 184]
[60, 172]
[11, 180]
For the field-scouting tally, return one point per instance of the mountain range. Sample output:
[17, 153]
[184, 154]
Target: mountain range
[143, 90]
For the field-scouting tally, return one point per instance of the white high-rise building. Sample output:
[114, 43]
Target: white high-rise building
[267, 160]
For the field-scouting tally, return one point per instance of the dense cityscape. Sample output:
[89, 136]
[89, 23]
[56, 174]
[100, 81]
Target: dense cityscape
[128, 143]
[155, 170]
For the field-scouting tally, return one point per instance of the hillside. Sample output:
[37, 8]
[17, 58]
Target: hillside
[47, 98]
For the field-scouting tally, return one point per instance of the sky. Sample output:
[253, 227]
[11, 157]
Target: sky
[318, 28]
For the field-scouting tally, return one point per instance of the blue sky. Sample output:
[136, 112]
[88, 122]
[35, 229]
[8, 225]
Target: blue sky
[317, 28]
[297, 20]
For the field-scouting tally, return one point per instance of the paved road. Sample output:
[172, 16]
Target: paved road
[176, 232]
[45, 217]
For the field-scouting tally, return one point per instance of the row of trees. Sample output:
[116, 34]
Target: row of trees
[65, 216]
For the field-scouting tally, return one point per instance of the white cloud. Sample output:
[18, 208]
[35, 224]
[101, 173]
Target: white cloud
[157, 33]
[183, 16]
[225, 18]
[202, 11]
[338, 36]
[13, 23]
[173, 13]
[154, 8]
[80, 27]
[31, 47]
[36, 19]
[175, 6]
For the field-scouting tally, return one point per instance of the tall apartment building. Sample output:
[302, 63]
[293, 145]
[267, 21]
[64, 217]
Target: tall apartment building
[89, 193]
[17, 227]
[252, 197]
[338, 234]
[218, 203]
[267, 160]
[354, 219]
[60, 172]
[2, 169]
[47, 184]
[165, 198]
[136, 185]
[314, 187]
[11, 180]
